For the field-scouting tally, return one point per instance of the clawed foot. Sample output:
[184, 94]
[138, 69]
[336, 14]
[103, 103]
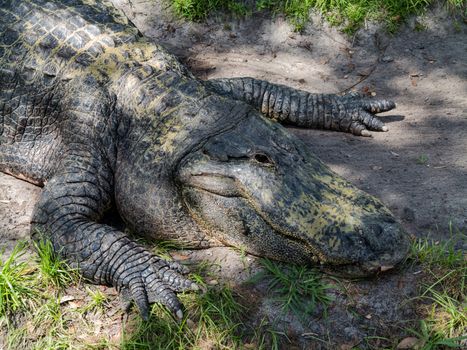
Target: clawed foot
[151, 279]
[361, 112]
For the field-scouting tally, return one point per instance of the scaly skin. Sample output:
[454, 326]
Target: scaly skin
[100, 117]
[352, 113]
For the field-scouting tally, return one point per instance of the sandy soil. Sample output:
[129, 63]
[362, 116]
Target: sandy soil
[418, 168]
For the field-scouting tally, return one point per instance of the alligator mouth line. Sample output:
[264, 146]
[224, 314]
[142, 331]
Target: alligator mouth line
[228, 186]
[315, 256]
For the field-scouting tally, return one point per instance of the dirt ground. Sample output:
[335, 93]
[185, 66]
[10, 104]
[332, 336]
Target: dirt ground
[418, 168]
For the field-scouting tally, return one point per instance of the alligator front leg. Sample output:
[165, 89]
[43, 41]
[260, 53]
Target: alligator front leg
[352, 113]
[68, 212]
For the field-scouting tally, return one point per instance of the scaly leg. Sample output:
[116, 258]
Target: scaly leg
[352, 113]
[68, 213]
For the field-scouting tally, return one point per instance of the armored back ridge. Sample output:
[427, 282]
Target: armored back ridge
[99, 116]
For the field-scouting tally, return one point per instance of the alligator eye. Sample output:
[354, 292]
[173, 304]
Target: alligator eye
[263, 159]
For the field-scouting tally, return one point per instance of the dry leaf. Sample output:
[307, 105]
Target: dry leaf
[180, 256]
[407, 343]
[386, 268]
[66, 298]
[74, 305]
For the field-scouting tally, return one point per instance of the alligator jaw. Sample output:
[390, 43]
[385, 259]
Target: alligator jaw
[375, 259]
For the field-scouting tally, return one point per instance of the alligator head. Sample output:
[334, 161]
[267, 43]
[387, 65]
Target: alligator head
[258, 188]
[222, 171]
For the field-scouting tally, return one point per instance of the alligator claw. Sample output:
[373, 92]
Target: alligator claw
[154, 281]
[125, 300]
[365, 133]
[378, 106]
[179, 314]
[363, 114]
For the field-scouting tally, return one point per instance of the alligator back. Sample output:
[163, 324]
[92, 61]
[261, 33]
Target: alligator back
[45, 46]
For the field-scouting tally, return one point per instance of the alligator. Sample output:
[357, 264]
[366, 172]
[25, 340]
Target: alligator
[102, 118]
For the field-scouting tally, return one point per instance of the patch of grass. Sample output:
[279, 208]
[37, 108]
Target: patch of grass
[445, 264]
[297, 289]
[448, 315]
[16, 282]
[197, 10]
[54, 326]
[432, 340]
[31, 313]
[53, 343]
[99, 300]
[16, 336]
[162, 248]
[444, 293]
[103, 344]
[447, 309]
[422, 159]
[433, 253]
[212, 321]
[217, 317]
[297, 11]
[53, 270]
[49, 316]
[349, 14]
[266, 337]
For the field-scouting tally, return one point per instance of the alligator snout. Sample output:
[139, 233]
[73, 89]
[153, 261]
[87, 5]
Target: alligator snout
[376, 247]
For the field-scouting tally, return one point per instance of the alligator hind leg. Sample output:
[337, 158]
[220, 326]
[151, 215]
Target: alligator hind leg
[68, 213]
[351, 113]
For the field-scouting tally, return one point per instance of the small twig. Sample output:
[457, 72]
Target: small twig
[363, 78]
